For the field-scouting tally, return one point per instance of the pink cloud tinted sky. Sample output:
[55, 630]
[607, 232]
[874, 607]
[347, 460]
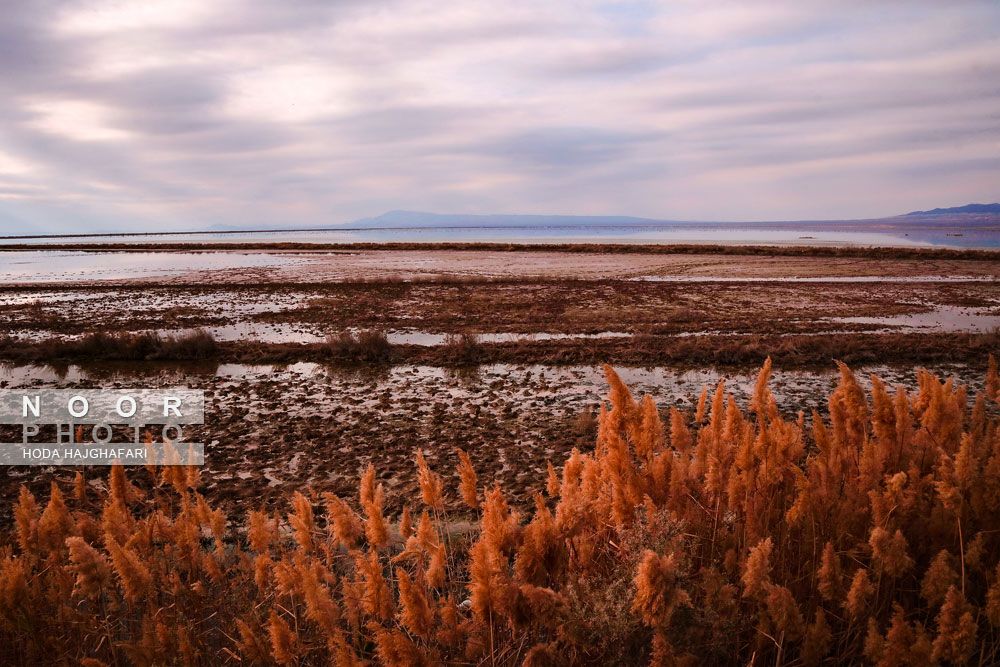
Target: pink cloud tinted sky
[178, 114]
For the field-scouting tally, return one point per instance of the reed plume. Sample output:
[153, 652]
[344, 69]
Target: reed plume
[372, 500]
[468, 485]
[430, 484]
[283, 640]
[415, 613]
[136, 578]
[658, 593]
[91, 567]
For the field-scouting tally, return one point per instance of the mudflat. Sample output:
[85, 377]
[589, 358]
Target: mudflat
[187, 264]
[506, 344]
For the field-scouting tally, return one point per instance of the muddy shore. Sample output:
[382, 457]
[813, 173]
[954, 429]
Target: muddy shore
[871, 252]
[289, 409]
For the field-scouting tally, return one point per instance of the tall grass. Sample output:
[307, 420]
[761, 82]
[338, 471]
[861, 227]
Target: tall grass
[367, 345]
[462, 347]
[193, 345]
[726, 536]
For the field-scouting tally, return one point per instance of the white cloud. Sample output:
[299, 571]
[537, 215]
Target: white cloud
[290, 93]
[102, 17]
[77, 120]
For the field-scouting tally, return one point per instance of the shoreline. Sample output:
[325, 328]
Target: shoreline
[874, 252]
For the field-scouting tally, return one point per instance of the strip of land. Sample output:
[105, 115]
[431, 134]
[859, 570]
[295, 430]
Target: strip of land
[521, 307]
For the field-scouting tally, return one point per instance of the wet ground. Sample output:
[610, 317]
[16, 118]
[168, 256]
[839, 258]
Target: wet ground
[271, 430]
[274, 429]
[423, 313]
[321, 266]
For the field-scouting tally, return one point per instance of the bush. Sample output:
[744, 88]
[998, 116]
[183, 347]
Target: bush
[198, 344]
[463, 347]
[367, 345]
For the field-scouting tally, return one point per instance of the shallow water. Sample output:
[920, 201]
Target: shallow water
[941, 319]
[43, 266]
[410, 337]
[904, 233]
[266, 332]
[816, 279]
[263, 332]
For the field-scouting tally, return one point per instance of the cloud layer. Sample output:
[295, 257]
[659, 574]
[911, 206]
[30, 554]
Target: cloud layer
[177, 114]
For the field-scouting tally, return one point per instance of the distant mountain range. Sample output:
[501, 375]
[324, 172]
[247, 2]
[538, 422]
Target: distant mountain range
[970, 215]
[968, 208]
[445, 220]
[420, 219]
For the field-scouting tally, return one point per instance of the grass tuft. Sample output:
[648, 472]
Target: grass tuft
[367, 345]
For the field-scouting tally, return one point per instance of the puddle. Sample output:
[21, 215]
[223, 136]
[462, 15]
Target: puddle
[817, 279]
[941, 319]
[71, 266]
[167, 372]
[46, 298]
[19, 376]
[263, 332]
[426, 338]
[232, 303]
[290, 333]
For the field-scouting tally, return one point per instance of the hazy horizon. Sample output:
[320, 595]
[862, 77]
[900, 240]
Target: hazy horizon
[979, 222]
[174, 116]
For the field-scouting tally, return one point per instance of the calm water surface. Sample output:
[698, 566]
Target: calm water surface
[903, 234]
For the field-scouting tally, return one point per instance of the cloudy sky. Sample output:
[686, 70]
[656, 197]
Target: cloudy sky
[179, 114]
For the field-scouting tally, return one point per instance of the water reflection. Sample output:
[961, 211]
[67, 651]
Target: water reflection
[43, 266]
[898, 233]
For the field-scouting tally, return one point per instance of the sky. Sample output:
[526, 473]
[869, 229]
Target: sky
[182, 114]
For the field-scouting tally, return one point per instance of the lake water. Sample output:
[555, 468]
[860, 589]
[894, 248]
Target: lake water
[903, 233]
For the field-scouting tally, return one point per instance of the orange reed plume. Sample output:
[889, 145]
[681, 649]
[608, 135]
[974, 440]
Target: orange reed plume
[372, 500]
[92, 571]
[136, 578]
[657, 591]
[468, 486]
[283, 640]
[430, 484]
[415, 613]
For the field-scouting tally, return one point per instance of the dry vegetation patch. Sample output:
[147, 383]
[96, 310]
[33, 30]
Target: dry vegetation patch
[723, 536]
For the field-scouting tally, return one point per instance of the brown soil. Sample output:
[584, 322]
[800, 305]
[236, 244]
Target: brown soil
[517, 306]
[880, 252]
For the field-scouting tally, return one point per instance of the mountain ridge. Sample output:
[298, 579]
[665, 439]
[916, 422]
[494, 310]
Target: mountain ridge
[404, 218]
[974, 215]
[968, 208]
[401, 219]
